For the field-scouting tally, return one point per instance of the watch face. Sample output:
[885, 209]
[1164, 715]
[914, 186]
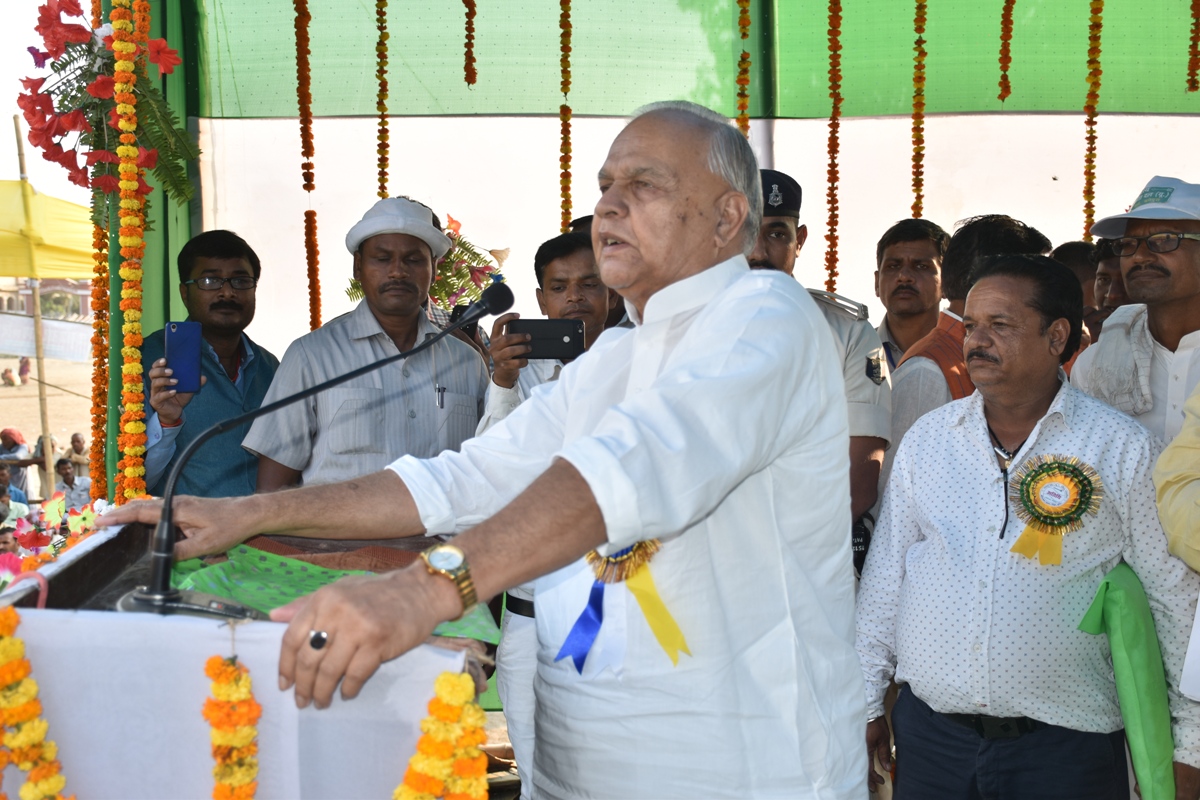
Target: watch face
[447, 558]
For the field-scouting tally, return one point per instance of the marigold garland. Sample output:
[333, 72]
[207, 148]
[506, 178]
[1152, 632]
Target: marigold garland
[97, 468]
[835, 114]
[743, 75]
[129, 31]
[448, 762]
[1095, 24]
[564, 113]
[918, 112]
[1006, 34]
[233, 714]
[381, 56]
[469, 73]
[21, 715]
[307, 151]
[1193, 82]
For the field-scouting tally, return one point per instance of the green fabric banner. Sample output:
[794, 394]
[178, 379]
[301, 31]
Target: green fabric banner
[1122, 611]
[629, 52]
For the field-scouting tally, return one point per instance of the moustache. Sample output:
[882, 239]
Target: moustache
[905, 289]
[407, 286]
[982, 354]
[761, 264]
[225, 305]
[1155, 267]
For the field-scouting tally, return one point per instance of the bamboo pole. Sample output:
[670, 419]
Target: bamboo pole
[35, 285]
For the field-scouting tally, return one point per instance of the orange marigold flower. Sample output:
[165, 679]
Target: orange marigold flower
[9, 620]
[43, 771]
[420, 782]
[475, 767]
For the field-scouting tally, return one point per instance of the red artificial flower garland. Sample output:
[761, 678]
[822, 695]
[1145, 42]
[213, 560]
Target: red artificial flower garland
[1091, 108]
[1193, 82]
[743, 74]
[564, 113]
[918, 112]
[835, 114]
[469, 73]
[307, 150]
[381, 57]
[1006, 34]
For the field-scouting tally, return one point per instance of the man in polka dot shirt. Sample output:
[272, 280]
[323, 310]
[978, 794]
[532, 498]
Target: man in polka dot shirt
[973, 611]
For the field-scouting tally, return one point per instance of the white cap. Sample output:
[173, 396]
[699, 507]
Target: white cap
[1163, 198]
[398, 215]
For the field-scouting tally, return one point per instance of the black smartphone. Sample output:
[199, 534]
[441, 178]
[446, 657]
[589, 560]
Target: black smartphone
[551, 338]
[471, 328]
[181, 348]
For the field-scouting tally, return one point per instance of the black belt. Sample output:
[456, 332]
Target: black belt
[996, 727]
[518, 605]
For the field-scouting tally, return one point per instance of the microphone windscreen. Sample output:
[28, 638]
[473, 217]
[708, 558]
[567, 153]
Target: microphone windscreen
[497, 298]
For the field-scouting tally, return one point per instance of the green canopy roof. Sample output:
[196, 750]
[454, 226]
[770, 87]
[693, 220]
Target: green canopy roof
[629, 52]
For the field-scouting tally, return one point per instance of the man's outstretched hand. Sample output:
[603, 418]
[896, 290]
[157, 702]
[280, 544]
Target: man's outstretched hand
[209, 525]
[367, 620]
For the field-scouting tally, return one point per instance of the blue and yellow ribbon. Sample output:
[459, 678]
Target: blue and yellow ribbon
[630, 566]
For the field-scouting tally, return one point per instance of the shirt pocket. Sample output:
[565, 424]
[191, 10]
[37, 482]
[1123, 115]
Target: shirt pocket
[457, 419]
[352, 420]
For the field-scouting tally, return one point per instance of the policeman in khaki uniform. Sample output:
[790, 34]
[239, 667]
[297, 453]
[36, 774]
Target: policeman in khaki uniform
[864, 365]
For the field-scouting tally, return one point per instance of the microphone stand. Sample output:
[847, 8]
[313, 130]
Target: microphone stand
[159, 596]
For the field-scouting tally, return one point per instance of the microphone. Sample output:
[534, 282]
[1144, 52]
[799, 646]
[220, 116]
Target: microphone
[159, 597]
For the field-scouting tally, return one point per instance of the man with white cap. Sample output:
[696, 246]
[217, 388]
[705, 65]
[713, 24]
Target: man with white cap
[420, 406]
[1148, 361]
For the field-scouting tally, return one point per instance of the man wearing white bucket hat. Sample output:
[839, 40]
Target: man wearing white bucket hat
[420, 406]
[1148, 361]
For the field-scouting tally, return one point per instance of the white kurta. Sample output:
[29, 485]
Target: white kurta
[718, 424]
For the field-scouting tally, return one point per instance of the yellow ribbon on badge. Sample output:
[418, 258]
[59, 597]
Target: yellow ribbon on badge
[1046, 547]
[1052, 494]
[662, 624]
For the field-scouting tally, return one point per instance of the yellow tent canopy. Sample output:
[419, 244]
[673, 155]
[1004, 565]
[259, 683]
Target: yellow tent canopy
[54, 242]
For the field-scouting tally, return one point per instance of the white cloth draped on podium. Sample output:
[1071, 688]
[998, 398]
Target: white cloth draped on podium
[123, 693]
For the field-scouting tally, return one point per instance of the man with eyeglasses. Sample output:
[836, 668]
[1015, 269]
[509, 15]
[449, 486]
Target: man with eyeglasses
[218, 273]
[1148, 361]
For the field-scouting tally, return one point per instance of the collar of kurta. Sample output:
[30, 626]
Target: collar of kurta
[691, 292]
[363, 324]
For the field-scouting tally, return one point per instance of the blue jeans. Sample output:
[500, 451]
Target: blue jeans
[939, 759]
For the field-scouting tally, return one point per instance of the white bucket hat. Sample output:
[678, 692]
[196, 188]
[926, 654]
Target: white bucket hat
[1163, 198]
[398, 215]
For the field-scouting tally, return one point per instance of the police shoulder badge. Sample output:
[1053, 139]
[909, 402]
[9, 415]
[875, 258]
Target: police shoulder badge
[1052, 493]
[875, 368]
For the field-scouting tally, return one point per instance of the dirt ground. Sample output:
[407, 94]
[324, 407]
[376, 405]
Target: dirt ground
[68, 402]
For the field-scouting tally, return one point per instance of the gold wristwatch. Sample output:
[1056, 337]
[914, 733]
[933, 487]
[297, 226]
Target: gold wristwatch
[451, 562]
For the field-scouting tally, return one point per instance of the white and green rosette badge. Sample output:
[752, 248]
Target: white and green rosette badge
[1052, 494]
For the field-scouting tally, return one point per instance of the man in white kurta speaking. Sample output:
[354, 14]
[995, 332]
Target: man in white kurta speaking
[711, 439]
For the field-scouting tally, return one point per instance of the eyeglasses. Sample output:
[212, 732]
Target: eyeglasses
[211, 283]
[1155, 243]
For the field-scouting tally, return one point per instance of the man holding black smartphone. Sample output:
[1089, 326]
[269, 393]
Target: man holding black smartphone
[569, 288]
[218, 273]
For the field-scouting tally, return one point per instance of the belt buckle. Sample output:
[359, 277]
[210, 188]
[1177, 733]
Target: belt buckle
[997, 727]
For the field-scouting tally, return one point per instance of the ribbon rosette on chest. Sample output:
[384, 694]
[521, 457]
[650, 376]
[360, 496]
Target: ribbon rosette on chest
[1052, 493]
[630, 566]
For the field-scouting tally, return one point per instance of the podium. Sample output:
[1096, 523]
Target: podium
[123, 693]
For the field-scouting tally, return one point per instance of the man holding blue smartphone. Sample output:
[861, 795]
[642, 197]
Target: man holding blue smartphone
[208, 366]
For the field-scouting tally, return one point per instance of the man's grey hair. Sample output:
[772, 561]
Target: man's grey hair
[729, 157]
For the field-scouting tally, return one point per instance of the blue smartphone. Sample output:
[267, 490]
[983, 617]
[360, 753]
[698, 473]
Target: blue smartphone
[181, 348]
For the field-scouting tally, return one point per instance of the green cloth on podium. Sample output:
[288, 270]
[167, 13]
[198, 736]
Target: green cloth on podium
[265, 581]
[1121, 611]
